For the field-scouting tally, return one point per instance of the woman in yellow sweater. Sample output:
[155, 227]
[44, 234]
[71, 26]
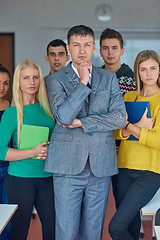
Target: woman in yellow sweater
[139, 161]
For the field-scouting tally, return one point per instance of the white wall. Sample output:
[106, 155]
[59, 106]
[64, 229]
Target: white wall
[132, 48]
[37, 22]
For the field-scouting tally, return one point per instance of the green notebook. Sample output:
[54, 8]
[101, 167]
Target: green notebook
[31, 136]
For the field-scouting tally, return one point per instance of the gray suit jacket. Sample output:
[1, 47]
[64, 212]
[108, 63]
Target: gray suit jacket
[101, 109]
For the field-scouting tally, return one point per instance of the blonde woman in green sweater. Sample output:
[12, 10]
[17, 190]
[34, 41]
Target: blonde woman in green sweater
[26, 182]
[139, 161]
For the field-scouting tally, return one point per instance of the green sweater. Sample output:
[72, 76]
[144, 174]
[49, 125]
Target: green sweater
[33, 114]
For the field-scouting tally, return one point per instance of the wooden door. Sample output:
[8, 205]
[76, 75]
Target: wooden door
[7, 54]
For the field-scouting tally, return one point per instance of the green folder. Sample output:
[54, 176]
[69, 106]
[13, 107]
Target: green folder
[31, 136]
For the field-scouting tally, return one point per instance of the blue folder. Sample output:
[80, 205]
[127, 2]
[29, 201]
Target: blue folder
[135, 111]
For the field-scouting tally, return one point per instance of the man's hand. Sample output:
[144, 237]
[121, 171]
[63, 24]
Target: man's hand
[84, 69]
[75, 124]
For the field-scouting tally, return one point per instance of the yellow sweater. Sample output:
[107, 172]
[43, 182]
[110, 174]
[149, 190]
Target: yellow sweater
[145, 153]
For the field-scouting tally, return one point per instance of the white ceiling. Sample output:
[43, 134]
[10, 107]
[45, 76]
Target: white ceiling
[36, 22]
[127, 14]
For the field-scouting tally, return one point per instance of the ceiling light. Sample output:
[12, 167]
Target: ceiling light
[104, 12]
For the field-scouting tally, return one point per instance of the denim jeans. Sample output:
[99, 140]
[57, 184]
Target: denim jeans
[135, 188]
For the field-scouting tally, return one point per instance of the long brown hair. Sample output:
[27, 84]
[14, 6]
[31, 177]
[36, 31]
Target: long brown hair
[142, 57]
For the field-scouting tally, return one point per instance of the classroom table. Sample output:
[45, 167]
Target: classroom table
[151, 208]
[157, 232]
[6, 212]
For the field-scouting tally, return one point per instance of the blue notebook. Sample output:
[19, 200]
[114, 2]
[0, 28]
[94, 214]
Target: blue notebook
[135, 111]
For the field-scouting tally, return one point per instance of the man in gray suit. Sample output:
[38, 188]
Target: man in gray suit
[87, 104]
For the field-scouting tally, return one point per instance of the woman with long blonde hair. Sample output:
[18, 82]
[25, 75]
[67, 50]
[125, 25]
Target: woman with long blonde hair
[138, 161]
[26, 182]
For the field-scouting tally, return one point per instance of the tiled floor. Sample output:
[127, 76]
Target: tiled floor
[36, 234]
